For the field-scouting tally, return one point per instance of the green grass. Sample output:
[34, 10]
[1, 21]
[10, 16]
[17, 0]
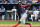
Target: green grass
[35, 23]
[8, 22]
[15, 22]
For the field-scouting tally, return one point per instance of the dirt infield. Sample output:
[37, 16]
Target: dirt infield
[10, 25]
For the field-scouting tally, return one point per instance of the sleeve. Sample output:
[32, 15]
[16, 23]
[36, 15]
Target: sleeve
[24, 5]
[28, 6]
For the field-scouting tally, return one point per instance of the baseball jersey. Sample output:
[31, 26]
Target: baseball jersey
[21, 8]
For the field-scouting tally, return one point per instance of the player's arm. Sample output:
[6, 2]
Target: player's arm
[28, 7]
[24, 5]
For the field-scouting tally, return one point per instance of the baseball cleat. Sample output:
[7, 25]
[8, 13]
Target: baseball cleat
[30, 24]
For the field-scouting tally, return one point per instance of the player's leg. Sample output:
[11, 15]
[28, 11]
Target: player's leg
[19, 21]
[36, 17]
[25, 22]
[32, 17]
[24, 19]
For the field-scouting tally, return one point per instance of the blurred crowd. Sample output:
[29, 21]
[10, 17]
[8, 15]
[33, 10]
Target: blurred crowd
[23, 1]
[38, 9]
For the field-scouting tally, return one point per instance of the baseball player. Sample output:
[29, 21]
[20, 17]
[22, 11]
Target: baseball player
[35, 14]
[23, 14]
